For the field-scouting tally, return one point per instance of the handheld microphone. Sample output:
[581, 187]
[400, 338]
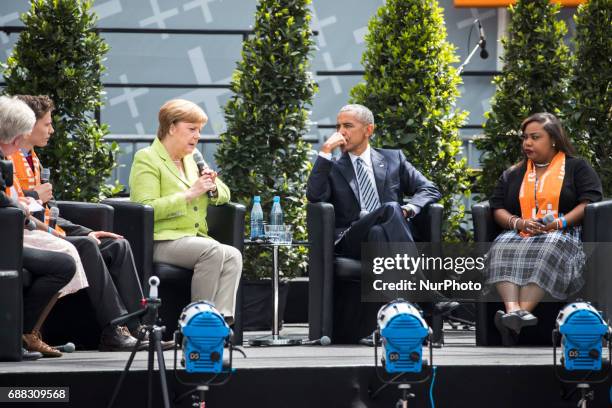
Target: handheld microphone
[45, 175]
[66, 348]
[199, 159]
[153, 283]
[53, 214]
[323, 341]
[484, 54]
[548, 218]
[29, 224]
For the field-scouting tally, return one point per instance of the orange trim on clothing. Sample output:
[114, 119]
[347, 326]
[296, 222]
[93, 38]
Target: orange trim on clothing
[24, 178]
[539, 197]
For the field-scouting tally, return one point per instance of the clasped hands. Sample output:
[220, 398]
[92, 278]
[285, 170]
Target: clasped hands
[533, 226]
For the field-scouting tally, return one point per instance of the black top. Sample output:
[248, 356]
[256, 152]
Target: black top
[580, 183]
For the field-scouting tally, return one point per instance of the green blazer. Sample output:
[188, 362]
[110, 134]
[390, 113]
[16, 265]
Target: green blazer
[156, 181]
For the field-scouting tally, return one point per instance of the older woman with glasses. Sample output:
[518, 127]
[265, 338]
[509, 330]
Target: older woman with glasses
[540, 203]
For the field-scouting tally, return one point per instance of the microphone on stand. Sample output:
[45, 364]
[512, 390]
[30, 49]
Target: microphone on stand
[53, 214]
[199, 159]
[484, 54]
[323, 341]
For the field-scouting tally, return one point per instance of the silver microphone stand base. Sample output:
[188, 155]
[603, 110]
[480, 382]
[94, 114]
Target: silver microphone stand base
[272, 340]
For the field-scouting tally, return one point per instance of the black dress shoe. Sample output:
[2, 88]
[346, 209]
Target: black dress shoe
[518, 319]
[444, 308]
[30, 355]
[144, 344]
[508, 338]
[116, 338]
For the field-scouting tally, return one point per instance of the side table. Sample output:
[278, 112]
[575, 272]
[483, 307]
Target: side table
[275, 339]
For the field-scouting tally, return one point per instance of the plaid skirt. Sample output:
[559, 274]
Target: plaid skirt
[553, 261]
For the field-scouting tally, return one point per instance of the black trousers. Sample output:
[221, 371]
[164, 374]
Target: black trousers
[385, 224]
[355, 319]
[50, 271]
[114, 288]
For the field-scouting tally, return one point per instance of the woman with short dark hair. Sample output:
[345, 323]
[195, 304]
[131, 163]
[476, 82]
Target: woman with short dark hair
[166, 177]
[535, 255]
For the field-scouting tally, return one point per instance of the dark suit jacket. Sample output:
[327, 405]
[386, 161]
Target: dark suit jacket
[335, 182]
[72, 229]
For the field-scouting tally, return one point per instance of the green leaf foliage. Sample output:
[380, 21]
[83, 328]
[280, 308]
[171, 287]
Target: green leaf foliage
[59, 54]
[411, 88]
[534, 79]
[262, 152]
[591, 87]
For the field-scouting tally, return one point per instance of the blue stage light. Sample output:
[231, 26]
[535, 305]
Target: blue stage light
[204, 333]
[582, 329]
[403, 331]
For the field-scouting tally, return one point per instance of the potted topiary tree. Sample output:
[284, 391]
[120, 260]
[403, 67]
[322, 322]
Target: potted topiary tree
[411, 87]
[590, 119]
[262, 152]
[60, 54]
[534, 79]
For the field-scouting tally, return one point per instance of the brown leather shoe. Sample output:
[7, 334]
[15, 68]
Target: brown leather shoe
[33, 342]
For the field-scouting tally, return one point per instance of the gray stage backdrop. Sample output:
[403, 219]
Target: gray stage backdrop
[210, 59]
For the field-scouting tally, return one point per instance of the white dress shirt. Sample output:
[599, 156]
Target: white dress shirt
[366, 156]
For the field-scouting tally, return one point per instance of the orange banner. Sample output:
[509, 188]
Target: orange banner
[506, 3]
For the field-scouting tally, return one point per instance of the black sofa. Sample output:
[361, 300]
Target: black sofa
[596, 228]
[335, 281]
[11, 284]
[135, 222]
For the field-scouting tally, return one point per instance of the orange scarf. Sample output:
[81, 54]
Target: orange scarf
[24, 178]
[28, 178]
[539, 197]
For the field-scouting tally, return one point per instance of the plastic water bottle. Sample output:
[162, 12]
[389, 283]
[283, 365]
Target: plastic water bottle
[257, 229]
[276, 215]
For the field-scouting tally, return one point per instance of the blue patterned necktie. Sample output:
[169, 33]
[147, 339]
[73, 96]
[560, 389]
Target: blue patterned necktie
[369, 196]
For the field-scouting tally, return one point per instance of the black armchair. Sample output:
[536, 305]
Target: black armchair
[598, 287]
[334, 281]
[11, 284]
[73, 318]
[135, 222]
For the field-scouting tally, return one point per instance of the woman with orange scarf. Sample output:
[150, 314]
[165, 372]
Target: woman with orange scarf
[540, 203]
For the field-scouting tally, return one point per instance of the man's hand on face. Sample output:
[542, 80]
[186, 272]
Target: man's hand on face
[97, 235]
[44, 191]
[334, 141]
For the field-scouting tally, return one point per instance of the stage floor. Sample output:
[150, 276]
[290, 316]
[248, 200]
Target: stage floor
[459, 350]
[315, 376]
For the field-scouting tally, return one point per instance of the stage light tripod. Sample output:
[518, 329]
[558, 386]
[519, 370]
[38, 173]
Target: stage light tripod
[581, 331]
[402, 331]
[149, 316]
[203, 334]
